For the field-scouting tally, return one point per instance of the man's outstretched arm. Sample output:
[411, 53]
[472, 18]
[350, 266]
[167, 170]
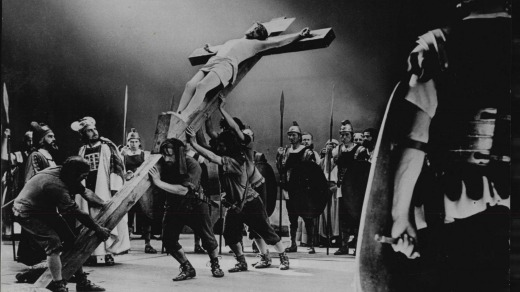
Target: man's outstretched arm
[209, 127]
[155, 176]
[229, 119]
[212, 49]
[92, 198]
[280, 41]
[407, 173]
[190, 135]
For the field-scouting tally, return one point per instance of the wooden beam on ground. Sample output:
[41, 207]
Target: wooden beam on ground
[274, 27]
[109, 217]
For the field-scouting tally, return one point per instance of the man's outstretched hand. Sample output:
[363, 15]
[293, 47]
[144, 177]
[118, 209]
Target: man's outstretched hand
[154, 174]
[190, 134]
[407, 238]
[102, 232]
[7, 132]
[207, 48]
[221, 100]
[306, 33]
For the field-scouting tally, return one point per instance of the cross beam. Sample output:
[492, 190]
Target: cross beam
[168, 126]
[321, 39]
[274, 27]
[171, 126]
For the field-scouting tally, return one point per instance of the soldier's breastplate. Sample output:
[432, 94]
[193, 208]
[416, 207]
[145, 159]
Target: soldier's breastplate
[292, 160]
[480, 139]
[471, 156]
[345, 160]
[132, 162]
[92, 156]
[470, 133]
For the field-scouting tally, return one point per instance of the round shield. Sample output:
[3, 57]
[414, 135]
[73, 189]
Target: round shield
[271, 188]
[309, 189]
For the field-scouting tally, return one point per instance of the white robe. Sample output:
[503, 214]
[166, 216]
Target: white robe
[119, 240]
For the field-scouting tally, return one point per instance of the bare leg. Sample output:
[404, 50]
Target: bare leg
[236, 248]
[189, 90]
[54, 263]
[187, 270]
[262, 246]
[279, 247]
[213, 254]
[180, 256]
[208, 83]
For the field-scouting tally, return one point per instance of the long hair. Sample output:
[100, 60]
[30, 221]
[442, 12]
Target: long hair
[262, 31]
[232, 144]
[72, 168]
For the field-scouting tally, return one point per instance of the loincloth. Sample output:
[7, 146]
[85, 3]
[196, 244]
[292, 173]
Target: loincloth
[226, 68]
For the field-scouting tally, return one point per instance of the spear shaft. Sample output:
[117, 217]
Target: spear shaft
[330, 167]
[282, 106]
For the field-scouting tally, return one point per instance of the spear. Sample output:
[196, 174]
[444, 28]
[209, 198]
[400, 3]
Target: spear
[6, 104]
[125, 112]
[282, 105]
[172, 103]
[330, 166]
[9, 176]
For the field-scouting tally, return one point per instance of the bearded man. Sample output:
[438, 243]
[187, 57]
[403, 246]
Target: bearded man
[41, 157]
[105, 178]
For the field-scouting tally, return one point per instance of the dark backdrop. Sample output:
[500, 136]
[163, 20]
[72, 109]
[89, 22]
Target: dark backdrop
[62, 60]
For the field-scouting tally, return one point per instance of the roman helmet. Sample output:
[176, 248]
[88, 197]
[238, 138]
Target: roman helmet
[345, 127]
[132, 135]
[295, 128]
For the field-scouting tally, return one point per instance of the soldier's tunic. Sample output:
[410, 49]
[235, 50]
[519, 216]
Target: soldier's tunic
[460, 79]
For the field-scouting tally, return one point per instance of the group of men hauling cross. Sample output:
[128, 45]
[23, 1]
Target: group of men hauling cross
[45, 207]
[180, 174]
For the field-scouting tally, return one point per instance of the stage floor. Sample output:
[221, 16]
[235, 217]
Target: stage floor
[137, 271]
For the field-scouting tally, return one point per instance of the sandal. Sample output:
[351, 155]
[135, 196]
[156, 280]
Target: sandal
[109, 260]
[149, 249]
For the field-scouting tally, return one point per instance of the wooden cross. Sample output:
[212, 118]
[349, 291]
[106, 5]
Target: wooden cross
[170, 126]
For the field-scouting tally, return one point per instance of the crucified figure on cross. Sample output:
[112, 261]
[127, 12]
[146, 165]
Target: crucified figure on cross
[222, 68]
